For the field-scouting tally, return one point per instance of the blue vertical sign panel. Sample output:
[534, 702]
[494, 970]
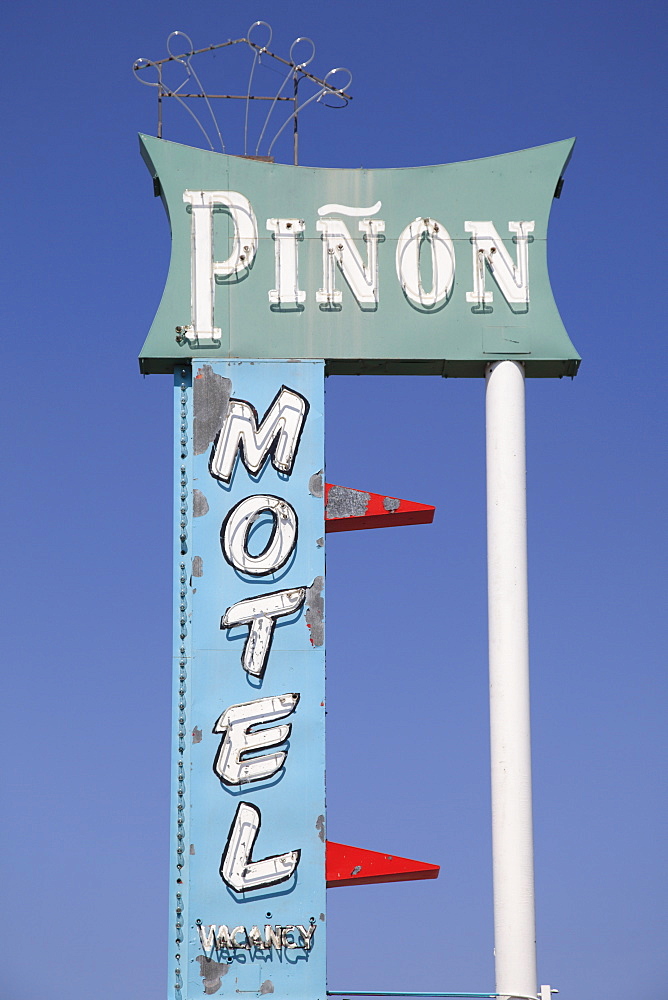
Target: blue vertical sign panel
[248, 830]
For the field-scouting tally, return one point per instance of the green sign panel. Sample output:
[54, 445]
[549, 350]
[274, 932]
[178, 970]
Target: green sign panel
[427, 270]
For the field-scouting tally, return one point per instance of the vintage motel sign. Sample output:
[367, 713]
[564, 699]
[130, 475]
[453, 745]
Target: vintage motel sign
[250, 815]
[426, 270]
[278, 276]
[252, 862]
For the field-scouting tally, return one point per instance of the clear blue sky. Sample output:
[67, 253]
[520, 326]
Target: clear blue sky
[87, 507]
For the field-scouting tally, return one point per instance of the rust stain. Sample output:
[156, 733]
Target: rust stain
[314, 615]
[200, 504]
[315, 484]
[211, 397]
[212, 973]
[344, 502]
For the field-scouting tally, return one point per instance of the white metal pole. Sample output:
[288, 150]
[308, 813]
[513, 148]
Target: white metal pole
[512, 827]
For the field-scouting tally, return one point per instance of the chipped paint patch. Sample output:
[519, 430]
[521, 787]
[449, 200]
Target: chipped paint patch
[390, 504]
[200, 504]
[320, 827]
[212, 973]
[315, 611]
[211, 397]
[322, 916]
[315, 484]
[344, 502]
[198, 566]
[197, 735]
[320, 541]
[267, 986]
[192, 848]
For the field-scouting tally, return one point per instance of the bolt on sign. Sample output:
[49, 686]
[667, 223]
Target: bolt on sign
[278, 276]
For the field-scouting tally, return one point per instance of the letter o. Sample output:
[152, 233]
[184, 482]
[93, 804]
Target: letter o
[238, 523]
[442, 262]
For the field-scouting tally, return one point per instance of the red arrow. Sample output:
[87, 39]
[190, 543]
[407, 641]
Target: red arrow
[355, 866]
[347, 510]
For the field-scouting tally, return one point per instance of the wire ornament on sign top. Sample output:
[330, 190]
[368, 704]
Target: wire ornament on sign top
[188, 86]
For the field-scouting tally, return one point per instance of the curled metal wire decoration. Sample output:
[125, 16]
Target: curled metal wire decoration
[188, 86]
[290, 73]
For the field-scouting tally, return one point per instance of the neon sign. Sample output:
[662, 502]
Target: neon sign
[250, 753]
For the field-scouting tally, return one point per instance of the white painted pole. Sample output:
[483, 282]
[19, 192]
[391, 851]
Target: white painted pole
[512, 826]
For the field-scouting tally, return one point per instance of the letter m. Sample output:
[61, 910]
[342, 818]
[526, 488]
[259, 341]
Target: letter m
[277, 435]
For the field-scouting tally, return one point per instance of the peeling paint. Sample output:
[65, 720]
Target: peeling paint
[390, 504]
[320, 827]
[198, 566]
[211, 396]
[200, 504]
[212, 973]
[315, 611]
[197, 735]
[344, 502]
[267, 986]
[315, 485]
